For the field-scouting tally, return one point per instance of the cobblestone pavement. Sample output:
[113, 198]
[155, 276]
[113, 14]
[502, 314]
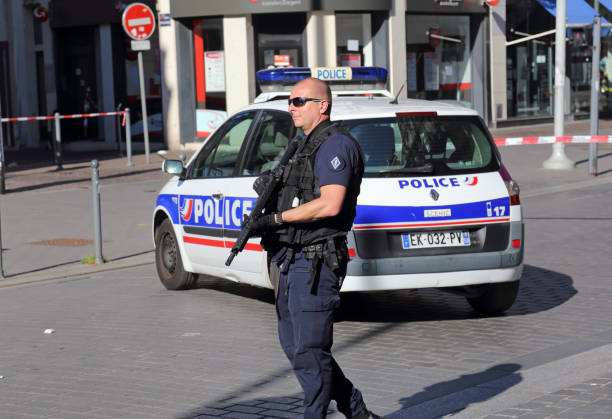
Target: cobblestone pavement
[592, 399]
[125, 347]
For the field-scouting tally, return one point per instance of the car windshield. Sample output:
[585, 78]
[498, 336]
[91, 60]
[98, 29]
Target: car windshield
[423, 145]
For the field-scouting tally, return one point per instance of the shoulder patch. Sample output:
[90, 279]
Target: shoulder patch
[337, 163]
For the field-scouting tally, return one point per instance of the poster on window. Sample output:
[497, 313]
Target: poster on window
[214, 71]
[350, 60]
[432, 77]
[411, 67]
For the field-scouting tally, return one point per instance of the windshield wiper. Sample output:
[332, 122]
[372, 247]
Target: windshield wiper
[426, 168]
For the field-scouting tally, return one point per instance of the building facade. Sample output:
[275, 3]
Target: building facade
[211, 51]
[27, 85]
[97, 71]
[72, 56]
[523, 69]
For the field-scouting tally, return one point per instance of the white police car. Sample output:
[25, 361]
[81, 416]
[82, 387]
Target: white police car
[437, 207]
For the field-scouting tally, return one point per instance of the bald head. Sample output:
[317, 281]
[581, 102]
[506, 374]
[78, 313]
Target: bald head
[318, 89]
[315, 106]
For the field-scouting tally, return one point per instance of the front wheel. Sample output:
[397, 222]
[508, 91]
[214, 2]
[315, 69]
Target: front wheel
[168, 260]
[496, 298]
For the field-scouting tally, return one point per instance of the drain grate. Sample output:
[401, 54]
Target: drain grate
[64, 241]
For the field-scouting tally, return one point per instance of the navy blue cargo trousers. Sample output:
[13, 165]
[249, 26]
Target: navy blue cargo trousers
[305, 328]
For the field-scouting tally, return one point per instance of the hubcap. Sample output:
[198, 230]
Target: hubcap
[168, 253]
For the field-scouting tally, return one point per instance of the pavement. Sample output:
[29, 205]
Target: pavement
[46, 196]
[124, 346]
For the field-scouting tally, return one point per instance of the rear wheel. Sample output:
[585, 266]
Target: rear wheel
[168, 259]
[496, 298]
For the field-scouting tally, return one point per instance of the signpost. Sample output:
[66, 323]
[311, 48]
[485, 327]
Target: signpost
[138, 22]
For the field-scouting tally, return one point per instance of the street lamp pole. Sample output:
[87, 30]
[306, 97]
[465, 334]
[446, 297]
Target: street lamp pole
[595, 86]
[558, 160]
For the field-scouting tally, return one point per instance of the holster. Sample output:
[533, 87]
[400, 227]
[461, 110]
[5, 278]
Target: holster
[332, 252]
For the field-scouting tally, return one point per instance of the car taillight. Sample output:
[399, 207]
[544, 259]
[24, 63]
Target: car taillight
[513, 187]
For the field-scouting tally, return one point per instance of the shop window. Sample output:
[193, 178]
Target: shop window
[353, 39]
[529, 75]
[209, 67]
[279, 38]
[438, 54]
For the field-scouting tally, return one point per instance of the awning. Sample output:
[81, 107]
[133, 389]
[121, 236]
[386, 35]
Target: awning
[578, 11]
[581, 12]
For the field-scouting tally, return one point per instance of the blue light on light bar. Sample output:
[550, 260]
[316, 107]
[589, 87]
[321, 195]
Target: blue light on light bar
[283, 75]
[339, 78]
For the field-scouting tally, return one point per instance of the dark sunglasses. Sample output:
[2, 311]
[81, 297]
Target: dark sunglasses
[301, 101]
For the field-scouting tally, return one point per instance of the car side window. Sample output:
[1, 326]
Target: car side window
[270, 139]
[219, 156]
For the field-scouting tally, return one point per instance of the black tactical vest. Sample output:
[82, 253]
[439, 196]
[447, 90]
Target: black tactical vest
[300, 186]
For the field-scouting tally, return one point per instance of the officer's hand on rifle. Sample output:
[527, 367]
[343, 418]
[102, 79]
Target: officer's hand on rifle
[266, 221]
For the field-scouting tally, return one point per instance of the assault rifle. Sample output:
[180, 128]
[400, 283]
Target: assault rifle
[265, 186]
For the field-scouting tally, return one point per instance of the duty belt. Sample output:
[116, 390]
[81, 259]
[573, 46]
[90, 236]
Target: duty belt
[324, 251]
[327, 252]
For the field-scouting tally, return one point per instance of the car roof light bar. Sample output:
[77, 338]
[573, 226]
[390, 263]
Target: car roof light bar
[339, 78]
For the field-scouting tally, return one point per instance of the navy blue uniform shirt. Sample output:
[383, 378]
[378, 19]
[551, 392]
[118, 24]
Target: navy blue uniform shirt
[337, 161]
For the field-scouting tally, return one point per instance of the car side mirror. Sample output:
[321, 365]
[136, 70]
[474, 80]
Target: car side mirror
[173, 167]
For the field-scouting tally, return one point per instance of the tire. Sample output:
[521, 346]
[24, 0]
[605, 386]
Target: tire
[496, 298]
[168, 260]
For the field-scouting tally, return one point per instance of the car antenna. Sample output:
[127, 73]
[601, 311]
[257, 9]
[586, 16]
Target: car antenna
[394, 101]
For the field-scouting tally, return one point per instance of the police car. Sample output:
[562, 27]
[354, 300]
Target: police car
[437, 207]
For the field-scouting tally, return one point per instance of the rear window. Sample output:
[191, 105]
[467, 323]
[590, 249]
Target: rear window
[423, 145]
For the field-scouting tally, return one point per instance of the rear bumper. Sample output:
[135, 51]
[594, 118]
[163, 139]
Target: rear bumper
[448, 270]
[431, 280]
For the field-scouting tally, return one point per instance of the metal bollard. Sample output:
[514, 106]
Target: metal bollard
[128, 137]
[95, 188]
[1, 265]
[118, 124]
[595, 83]
[2, 183]
[58, 142]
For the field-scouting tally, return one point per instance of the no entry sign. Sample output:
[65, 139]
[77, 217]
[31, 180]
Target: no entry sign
[138, 21]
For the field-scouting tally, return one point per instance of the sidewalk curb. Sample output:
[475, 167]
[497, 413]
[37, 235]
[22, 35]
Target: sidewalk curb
[75, 270]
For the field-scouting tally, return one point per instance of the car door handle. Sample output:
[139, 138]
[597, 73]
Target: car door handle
[217, 195]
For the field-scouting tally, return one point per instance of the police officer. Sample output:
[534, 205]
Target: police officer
[306, 233]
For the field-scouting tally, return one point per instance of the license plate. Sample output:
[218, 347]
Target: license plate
[424, 240]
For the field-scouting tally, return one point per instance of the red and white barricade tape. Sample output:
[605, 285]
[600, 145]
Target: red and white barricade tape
[77, 115]
[575, 139]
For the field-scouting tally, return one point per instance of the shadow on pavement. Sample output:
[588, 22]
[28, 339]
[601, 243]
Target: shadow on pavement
[72, 262]
[78, 180]
[44, 268]
[242, 290]
[540, 290]
[579, 162]
[438, 399]
[242, 396]
[33, 159]
[281, 407]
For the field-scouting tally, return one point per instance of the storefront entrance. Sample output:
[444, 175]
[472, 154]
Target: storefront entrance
[77, 81]
[438, 58]
[279, 39]
[4, 94]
